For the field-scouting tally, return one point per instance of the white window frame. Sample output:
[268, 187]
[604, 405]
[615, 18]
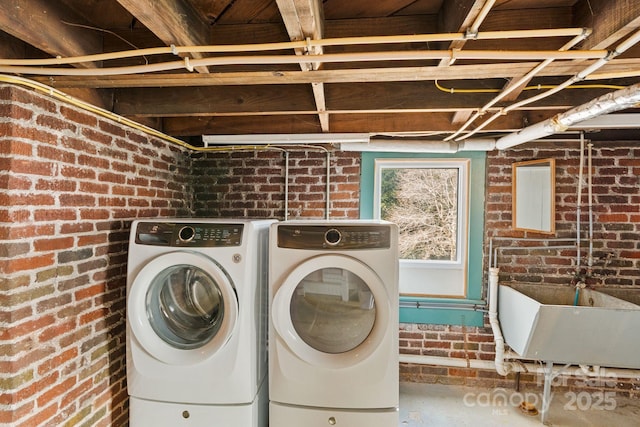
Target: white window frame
[433, 278]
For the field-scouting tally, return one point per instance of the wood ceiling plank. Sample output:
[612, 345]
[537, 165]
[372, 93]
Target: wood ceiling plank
[458, 15]
[368, 123]
[212, 100]
[611, 20]
[47, 25]
[389, 98]
[529, 19]
[212, 9]
[10, 47]
[180, 126]
[246, 11]
[173, 21]
[337, 9]
[414, 122]
[392, 25]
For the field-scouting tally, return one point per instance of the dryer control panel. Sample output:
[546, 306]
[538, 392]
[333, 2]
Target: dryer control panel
[342, 237]
[189, 234]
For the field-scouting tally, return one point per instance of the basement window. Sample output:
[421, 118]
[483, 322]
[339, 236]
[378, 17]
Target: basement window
[438, 204]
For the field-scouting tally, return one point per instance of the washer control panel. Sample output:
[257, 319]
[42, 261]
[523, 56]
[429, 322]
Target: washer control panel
[189, 234]
[343, 237]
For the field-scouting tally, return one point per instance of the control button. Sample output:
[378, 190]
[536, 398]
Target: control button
[187, 233]
[332, 237]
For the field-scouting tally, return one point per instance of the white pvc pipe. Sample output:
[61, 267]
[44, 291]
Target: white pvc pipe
[513, 86]
[400, 145]
[328, 195]
[189, 64]
[300, 44]
[286, 185]
[579, 203]
[621, 48]
[590, 203]
[502, 367]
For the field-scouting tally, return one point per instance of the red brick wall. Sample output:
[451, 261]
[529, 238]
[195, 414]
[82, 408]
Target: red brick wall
[616, 250]
[252, 184]
[70, 183]
[616, 215]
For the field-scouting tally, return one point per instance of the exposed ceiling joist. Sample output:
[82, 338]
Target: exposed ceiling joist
[175, 22]
[304, 20]
[462, 15]
[365, 85]
[50, 27]
[629, 67]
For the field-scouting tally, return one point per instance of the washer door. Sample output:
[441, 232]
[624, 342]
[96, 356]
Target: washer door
[182, 307]
[332, 311]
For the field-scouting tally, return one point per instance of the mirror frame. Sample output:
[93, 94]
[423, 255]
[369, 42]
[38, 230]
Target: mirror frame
[517, 187]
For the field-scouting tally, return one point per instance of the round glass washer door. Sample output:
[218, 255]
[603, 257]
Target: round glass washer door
[332, 311]
[182, 307]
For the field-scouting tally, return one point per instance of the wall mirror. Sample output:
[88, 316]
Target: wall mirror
[534, 195]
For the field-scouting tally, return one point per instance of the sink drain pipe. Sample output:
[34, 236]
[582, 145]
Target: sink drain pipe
[502, 367]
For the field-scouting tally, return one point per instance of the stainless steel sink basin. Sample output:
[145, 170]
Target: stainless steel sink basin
[541, 322]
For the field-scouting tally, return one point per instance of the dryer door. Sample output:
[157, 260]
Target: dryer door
[182, 307]
[332, 311]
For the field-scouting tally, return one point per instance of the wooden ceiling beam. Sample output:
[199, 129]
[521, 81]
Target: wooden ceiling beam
[456, 16]
[172, 21]
[296, 99]
[50, 27]
[458, 72]
[304, 19]
[368, 123]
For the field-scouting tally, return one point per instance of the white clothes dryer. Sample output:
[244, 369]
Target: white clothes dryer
[196, 323]
[333, 334]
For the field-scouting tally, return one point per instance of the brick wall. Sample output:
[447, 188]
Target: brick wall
[616, 253]
[616, 216]
[70, 184]
[252, 184]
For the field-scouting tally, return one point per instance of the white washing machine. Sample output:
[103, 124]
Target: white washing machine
[196, 323]
[333, 335]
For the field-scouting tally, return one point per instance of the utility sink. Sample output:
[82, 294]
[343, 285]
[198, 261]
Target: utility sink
[627, 294]
[545, 322]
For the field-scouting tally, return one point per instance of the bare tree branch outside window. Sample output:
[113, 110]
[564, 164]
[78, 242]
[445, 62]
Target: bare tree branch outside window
[424, 204]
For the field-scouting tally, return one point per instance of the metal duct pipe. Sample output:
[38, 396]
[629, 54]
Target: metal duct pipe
[613, 101]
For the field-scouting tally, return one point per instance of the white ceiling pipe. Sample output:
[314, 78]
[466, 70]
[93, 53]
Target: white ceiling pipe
[285, 138]
[421, 146]
[301, 44]
[189, 64]
[510, 88]
[613, 101]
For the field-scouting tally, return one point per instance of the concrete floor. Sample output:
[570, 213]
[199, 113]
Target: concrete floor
[437, 405]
